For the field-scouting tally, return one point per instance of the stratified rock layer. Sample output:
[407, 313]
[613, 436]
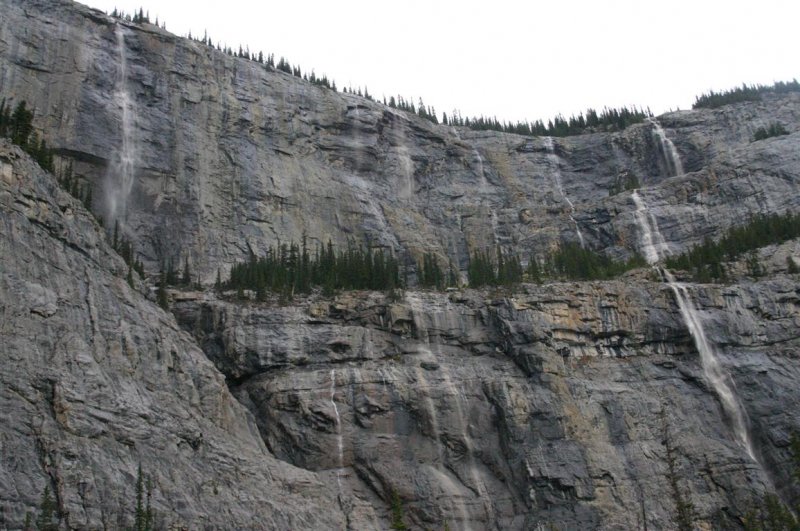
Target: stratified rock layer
[550, 406]
[231, 157]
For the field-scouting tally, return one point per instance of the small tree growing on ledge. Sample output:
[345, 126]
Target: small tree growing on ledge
[397, 513]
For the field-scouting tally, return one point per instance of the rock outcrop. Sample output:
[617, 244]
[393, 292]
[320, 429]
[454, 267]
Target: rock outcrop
[567, 405]
[231, 157]
[548, 407]
[96, 380]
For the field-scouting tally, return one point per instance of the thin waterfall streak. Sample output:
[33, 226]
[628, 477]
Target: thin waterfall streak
[440, 468]
[339, 442]
[713, 371]
[552, 159]
[481, 172]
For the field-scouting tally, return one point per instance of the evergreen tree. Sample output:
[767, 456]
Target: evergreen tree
[290, 269]
[774, 129]
[115, 240]
[186, 279]
[21, 125]
[533, 271]
[713, 99]
[705, 261]
[771, 514]
[48, 517]
[397, 522]
[161, 292]
[144, 516]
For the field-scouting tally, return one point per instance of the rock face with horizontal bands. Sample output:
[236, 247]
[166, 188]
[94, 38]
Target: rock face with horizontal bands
[231, 157]
[547, 406]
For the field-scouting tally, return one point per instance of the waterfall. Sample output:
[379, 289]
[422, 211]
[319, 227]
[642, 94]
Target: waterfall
[440, 471]
[481, 173]
[340, 443]
[121, 170]
[671, 156]
[652, 240]
[495, 223]
[713, 371]
[407, 167]
[552, 159]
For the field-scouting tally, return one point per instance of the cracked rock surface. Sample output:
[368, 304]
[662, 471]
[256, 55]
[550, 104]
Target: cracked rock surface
[547, 406]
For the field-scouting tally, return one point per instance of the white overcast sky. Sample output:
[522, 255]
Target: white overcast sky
[510, 59]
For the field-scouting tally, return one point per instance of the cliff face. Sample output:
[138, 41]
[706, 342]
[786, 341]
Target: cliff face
[97, 380]
[558, 405]
[228, 156]
[550, 407]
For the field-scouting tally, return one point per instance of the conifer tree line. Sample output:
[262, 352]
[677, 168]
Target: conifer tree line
[431, 275]
[705, 262]
[569, 262]
[505, 270]
[293, 269]
[774, 129]
[573, 262]
[17, 125]
[426, 112]
[138, 17]
[169, 276]
[125, 249]
[770, 513]
[607, 120]
[712, 99]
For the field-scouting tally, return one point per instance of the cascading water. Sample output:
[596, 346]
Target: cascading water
[339, 441]
[713, 371]
[481, 173]
[440, 471]
[671, 156]
[407, 167]
[121, 170]
[552, 158]
[652, 240]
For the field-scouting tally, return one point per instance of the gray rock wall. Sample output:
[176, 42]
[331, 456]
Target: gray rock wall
[550, 406]
[95, 380]
[230, 156]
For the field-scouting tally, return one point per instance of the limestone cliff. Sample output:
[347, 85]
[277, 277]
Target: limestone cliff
[546, 406]
[229, 156]
[96, 380]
